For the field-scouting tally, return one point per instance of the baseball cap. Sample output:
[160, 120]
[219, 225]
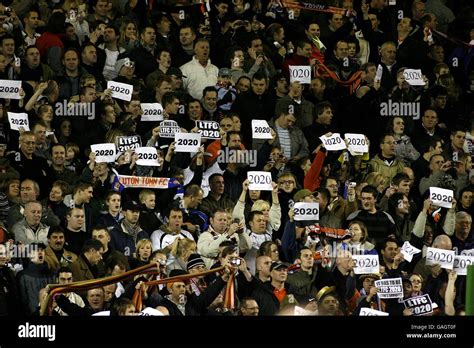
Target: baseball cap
[131, 205]
[278, 265]
[224, 72]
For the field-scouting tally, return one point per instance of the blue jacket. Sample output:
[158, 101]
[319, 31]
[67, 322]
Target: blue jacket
[123, 242]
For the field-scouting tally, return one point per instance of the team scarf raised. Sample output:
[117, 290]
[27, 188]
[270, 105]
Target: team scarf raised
[229, 295]
[316, 7]
[57, 289]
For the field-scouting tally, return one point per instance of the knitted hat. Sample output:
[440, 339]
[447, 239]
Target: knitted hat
[194, 260]
[120, 63]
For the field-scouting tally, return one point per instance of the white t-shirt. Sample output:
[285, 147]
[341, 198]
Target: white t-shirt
[161, 239]
[109, 67]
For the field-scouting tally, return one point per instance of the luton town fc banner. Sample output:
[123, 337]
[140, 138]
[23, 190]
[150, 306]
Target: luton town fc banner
[128, 181]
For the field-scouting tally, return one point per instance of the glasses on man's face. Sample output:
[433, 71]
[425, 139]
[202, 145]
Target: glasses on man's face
[28, 142]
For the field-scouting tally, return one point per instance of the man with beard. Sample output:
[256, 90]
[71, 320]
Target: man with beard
[31, 20]
[55, 254]
[111, 50]
[125, 237]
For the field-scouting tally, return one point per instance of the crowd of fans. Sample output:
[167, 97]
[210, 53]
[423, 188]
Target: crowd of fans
[68, 216]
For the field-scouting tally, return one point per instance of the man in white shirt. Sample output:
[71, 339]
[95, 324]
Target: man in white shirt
[167, 234]
[200, 72]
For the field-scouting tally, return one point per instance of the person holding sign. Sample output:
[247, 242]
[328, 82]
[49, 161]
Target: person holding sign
[255, 104]
[322, 125]
[441, 242]
[368, 294]
[289, 137]
[271, 215]
[300, 58]
[392, 259]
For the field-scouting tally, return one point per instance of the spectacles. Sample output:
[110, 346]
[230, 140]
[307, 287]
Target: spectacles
[28, 142]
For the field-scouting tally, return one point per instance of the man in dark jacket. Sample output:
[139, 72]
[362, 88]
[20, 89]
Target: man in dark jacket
[144, 54]
[180, 304]
[9, 299]
[84, 268]
[33, 278]
[128, 233]
[276, 293]
[255, 104]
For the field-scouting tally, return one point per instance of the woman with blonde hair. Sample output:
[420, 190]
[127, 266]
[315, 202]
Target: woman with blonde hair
[377, 180]
[128, 35]
[142, 254]
[179, 252]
